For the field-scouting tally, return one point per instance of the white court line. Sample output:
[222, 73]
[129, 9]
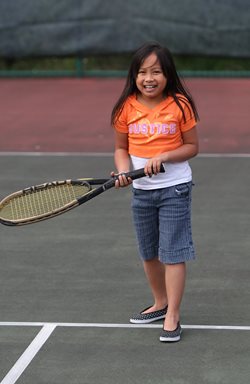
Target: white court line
[221, 155]
[58, 154]
[28, 355]
[110, 154]
[110, 325]
[120, 325]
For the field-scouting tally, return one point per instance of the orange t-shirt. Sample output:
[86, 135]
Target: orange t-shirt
[154, 131]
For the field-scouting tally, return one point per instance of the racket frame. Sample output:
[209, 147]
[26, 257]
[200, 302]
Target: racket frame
[74, 203]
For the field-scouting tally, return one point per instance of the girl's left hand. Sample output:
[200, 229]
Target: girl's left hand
[153, 166]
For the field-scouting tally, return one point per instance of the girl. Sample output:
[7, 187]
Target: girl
[154, 122]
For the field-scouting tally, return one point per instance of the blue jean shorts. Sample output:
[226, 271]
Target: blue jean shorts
[162, 219]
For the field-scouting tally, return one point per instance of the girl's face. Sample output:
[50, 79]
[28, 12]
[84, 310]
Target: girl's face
[150, 80]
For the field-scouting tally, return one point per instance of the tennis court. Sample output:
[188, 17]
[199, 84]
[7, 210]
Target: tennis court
[70, 284]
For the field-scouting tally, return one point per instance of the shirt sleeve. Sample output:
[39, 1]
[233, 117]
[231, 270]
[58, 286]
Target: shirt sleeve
[190, 118]
[121, 123]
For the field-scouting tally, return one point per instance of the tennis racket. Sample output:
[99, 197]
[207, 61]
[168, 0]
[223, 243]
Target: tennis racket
[44, 201]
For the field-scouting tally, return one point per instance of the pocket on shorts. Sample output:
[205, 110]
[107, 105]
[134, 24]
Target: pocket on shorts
[183, 190]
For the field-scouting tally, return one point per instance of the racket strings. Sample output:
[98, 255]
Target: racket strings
[43, 201]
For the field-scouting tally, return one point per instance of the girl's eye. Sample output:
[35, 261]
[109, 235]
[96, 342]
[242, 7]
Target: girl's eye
[156, 72]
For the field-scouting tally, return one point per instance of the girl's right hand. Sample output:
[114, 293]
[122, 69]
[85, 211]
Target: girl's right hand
[122, 180]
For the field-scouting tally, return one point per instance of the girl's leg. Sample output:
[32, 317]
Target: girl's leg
[155, 273]
[175, 275]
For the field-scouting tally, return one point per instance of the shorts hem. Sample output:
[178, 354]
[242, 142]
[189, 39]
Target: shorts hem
[150, 254]
[178, 257]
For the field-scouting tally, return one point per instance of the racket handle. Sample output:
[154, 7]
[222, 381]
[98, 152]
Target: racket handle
[140, 173]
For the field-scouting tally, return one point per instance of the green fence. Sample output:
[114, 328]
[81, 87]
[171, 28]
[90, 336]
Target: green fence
[79, 70]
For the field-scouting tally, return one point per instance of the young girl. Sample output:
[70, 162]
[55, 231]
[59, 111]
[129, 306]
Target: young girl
[154, 121]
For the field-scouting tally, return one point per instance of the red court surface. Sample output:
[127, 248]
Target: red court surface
[72, 115]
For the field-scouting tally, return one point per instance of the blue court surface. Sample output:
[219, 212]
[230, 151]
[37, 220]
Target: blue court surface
[70, 284]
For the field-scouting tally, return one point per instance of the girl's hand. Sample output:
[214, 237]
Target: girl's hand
[122, 180]
[152, 167]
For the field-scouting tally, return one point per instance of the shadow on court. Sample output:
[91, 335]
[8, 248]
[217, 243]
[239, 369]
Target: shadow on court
[81, 272]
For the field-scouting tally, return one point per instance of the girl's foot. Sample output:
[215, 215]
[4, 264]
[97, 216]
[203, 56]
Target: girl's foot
[147, 315]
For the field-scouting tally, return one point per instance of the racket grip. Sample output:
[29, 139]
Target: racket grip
[140, 173]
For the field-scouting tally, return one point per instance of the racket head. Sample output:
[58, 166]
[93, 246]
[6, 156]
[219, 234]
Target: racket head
[42, 201]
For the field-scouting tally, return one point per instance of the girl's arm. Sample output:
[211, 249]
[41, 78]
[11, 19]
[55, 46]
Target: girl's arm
[122, 159]
[189, 149]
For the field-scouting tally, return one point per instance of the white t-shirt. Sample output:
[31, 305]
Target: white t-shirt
[175, 173]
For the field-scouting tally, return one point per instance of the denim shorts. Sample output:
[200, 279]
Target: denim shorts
[162, 219]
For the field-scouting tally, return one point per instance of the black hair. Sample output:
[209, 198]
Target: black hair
[174, 84]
